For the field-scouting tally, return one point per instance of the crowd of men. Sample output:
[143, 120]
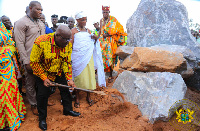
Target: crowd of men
[196, 35]
[43, 55]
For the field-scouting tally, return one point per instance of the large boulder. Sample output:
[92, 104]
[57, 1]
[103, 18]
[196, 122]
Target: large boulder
[149, 60]
[187, 53]
[153, 92]
[124, 51]
[194, 80]
[158, 22]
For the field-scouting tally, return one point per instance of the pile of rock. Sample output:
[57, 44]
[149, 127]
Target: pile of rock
[161, 53]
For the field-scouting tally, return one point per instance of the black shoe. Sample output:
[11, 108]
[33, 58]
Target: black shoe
[71, 113]
[43, 125]
[5, 129]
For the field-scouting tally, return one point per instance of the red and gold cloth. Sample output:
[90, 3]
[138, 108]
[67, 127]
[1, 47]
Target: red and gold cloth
[48, 60]
[12, 108]
[105, 8]
[109, 44]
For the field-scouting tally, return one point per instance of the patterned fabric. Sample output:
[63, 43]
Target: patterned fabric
[109, 44]
[6, 40]
[16, 57]
[48, 60]
[10, 32]
[12, 108]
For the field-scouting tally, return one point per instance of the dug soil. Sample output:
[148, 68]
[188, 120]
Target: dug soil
[109, 113]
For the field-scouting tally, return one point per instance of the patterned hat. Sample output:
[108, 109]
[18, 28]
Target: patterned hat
[106, 8]
[54, 16]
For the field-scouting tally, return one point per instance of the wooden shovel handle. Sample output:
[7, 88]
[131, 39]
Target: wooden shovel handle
[60, 85]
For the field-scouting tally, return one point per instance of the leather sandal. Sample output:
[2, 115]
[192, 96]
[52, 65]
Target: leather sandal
[90, 102]
[110, 79]
[77, 104]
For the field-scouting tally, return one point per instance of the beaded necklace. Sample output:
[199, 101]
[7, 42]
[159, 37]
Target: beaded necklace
[105, 21]
[79, 29]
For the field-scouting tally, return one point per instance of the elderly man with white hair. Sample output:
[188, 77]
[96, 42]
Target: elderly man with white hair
[83, 65]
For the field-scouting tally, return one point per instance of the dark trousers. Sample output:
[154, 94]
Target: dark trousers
[44, 92]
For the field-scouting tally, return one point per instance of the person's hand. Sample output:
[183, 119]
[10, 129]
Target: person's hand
[95, 37]
[105, 35]
[47, 83]
[71, 83]
[28, 68]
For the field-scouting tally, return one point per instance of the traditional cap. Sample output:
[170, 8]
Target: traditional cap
[54, 16]
[106, 8]
[80, 14]
[63, 18]
[95, 22]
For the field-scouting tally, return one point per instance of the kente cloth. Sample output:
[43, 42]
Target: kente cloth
[48, 60]
[86, 80]
[83, 49]
[7, 41]
[10, 34]
[11, 44]
[16, 56]
[12, 108]
[109, 44]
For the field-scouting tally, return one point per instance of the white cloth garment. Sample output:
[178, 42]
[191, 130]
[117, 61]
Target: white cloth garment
[98, 64]
[80, 14]
[83, 48]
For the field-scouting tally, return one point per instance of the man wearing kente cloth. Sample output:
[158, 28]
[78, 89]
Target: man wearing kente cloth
[51, 61]
[111, 36]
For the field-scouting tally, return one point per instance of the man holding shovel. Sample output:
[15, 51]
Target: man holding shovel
[51, 62]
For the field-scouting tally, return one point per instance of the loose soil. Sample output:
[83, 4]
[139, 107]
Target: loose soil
[109, 113]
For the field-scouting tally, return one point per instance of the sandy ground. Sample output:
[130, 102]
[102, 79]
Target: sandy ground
[109, 113]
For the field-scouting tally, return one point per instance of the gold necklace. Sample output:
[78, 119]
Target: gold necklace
[105, 21]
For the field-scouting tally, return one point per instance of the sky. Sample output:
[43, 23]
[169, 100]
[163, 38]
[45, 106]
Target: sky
[121, 9]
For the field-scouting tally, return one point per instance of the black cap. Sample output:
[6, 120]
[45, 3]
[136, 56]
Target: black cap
[54, 16]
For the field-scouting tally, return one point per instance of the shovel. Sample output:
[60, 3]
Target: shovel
[97, 92]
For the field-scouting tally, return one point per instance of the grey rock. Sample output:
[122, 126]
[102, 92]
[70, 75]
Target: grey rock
[124, 51]
[153, 92]
[107, 74]
[158, 22]
[194, 80]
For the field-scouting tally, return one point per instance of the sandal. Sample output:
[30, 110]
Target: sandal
[110, 79]
[77, 104]
[90, 102]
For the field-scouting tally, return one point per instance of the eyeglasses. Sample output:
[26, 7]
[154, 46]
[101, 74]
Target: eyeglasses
[66, 39]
